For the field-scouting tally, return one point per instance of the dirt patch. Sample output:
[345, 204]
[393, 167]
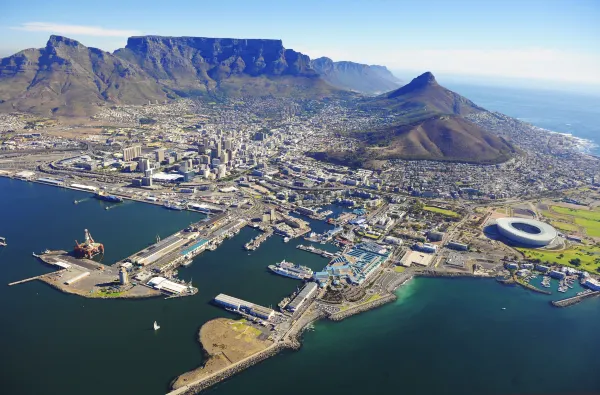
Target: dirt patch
[225, 342]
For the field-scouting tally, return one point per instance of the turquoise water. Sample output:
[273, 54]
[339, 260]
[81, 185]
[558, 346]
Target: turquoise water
[565, 112]
[441, 336]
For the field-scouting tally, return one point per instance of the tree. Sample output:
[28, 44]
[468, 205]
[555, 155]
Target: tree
[575, 261]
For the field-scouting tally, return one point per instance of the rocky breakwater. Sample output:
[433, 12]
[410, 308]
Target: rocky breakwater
[229, 347]
[362, 307]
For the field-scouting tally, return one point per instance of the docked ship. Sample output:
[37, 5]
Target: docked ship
[288, 269]
[107, 198]
[172, 206]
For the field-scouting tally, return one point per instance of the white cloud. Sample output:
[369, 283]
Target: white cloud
[534, 63]
[74, 30]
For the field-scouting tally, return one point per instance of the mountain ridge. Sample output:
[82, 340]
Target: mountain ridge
[364, 78]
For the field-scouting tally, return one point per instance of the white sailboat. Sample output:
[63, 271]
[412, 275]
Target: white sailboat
[156, 326]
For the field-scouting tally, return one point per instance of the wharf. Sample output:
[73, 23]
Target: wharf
[323, 253]
[574, 299]
[258, 240]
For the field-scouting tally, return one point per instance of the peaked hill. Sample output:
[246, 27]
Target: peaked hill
[370, 79]
[428, 124]
[68, 78]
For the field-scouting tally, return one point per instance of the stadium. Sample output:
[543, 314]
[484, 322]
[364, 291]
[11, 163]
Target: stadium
[528, 232]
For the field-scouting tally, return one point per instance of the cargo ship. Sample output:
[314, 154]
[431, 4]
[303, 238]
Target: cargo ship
[108, 198]
[288, 269]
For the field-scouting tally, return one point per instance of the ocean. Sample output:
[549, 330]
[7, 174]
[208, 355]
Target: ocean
[564, 112]
[441, 336]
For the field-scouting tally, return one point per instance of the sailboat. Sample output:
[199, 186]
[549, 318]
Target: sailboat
[156, 326]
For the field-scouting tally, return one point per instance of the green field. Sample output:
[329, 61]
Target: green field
[442, 211]
[592, 227]
[578, 213]
[589, 256]
[564, 226]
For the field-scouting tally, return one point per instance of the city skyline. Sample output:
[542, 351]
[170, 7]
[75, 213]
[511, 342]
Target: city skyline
[543, 42]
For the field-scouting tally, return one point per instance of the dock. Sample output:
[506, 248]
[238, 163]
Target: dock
[258, 240]
[574, 299]
[32, 278]
[323, 253]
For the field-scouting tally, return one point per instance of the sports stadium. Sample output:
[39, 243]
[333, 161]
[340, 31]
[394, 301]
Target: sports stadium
[529, 232]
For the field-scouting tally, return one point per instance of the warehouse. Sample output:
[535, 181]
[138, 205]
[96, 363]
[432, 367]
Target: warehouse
[158, 250]
[162, 284]
[306, 292]
[242, 306]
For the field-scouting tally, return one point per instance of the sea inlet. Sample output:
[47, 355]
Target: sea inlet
[447, 336]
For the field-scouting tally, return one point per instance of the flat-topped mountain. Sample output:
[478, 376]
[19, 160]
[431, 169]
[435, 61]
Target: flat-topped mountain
[69, 78]
[188, 64]
[371, 79]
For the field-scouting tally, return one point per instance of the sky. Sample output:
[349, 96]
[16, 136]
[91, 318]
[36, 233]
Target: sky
[554, 42]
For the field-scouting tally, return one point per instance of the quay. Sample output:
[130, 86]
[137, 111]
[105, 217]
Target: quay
[574, 299]
[258, 240]
[323, 253]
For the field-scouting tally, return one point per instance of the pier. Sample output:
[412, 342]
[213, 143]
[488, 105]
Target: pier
[574, 299]
[32, 278]
[258, 240]
[323, 253]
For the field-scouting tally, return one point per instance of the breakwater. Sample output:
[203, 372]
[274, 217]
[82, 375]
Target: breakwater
[362, 308]
[574, 300]
[206, 382]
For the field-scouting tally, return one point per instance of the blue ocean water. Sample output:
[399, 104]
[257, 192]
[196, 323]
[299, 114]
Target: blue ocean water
[564, 112]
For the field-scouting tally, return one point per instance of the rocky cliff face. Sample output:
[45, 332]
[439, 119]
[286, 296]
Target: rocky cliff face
[370, 79]
[202, 63]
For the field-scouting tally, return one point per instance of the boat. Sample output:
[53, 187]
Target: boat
[288, 269]
[187, 263]
[504, 308]
[107, 198]
[156, 326]
[286, 239]
[3, 242]
[172, 206]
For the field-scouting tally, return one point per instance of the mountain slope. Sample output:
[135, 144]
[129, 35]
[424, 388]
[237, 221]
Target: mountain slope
[371, 79]
[423, 96]
[428, 124]
[68, 78]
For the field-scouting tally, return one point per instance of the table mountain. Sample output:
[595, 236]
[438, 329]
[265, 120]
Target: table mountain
[370, 79]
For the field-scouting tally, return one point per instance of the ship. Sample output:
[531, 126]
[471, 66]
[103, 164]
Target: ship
[107, 198]
[172, 206]
[3, 242]
[89, 248]
[288, 269]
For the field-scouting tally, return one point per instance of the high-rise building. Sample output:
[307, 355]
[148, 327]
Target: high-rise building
[144, 164]
[219, 150]
[227, 144]
[130, 153]
[159, 155]
[147, 181]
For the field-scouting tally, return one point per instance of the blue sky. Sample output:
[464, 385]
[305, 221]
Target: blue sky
[547, 40]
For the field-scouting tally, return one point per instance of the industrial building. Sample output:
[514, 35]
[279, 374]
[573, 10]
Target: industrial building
[162, 284]
[529, 232]
[195, 248]
[242, 306]
[158, 250]
[306, 292]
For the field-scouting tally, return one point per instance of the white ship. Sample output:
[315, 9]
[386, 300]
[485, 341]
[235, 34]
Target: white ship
[156, 326]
